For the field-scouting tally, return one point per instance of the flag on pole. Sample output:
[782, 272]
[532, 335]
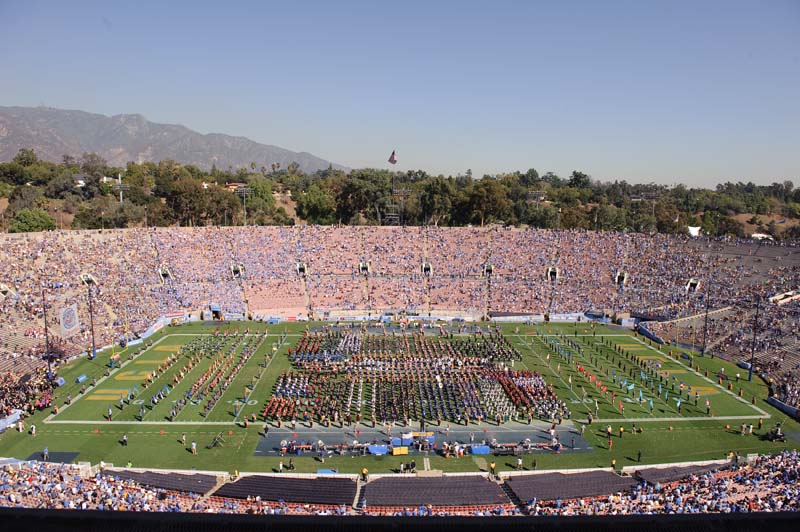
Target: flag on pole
[68, 319]
[393, 157]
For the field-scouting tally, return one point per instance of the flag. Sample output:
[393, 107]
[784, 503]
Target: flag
[631, 387]
[68, 319]
[393, 158]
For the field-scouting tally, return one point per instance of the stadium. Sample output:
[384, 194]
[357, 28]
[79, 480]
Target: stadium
[365, 265]
[398, 371]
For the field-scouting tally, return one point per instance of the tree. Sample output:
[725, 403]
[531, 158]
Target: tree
[553, 180]
[574, 218]
[365, 193]
[579, 180]
[94, 168]
[316, 206]
[486, 201]
[262, 188]
[530, 177]
[25, 157]
[436, 200]
[60, 186]
[188, 201]
[24, 197]
[31, 220]
[14, 173]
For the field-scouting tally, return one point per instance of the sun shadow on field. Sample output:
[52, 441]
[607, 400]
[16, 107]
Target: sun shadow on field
[55, 457]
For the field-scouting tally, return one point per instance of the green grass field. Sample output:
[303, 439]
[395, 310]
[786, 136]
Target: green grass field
[615, 357]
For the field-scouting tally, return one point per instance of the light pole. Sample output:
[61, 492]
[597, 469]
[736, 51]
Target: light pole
[705, 321]
[89, 281]
[755, 334]
[46, 335]
[120, 187]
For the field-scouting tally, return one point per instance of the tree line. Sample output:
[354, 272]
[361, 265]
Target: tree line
[42, 194]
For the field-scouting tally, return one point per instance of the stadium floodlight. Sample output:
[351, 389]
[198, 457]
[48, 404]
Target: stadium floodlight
[120, 187]
[426, 268]
[87, 279]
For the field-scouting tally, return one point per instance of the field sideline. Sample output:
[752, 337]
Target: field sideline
[557, 351]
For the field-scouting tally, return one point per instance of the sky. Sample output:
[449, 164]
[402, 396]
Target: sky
[693, 92]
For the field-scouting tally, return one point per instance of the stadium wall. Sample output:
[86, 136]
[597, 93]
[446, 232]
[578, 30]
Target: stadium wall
[644, 331]
[783, 407]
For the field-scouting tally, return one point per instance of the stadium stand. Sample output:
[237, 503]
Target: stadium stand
[552, 486]
[323, 490]
[765, 484]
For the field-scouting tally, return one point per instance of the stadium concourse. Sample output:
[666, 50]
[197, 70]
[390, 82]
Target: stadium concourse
[323, 272]
[762, 484]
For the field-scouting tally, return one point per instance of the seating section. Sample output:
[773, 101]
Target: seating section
[661, 475]
[764, 483]
[184, 483]
[551, 486]
[330, 491]
[444, 491]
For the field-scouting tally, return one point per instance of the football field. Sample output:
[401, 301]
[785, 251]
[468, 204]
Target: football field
[206, 381]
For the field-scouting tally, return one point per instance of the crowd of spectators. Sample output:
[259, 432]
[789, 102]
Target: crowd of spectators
[769, 484]
[766, 484]
[307, 271]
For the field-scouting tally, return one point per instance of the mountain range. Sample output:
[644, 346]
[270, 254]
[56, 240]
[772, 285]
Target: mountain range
[53, 133]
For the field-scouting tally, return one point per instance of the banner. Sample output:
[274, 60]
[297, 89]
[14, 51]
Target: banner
[68, 318]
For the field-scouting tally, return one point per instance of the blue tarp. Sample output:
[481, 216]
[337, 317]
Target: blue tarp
[378, 449]
[10, 420]
[327, 472]
[60, 381]
[480, 449]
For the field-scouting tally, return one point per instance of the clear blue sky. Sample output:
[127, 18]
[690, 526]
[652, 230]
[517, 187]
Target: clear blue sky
[676, 91]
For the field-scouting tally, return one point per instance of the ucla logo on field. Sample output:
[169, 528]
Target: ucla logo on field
[133, 375]
[108, 394]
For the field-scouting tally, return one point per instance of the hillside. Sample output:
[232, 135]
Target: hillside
[119, 139]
